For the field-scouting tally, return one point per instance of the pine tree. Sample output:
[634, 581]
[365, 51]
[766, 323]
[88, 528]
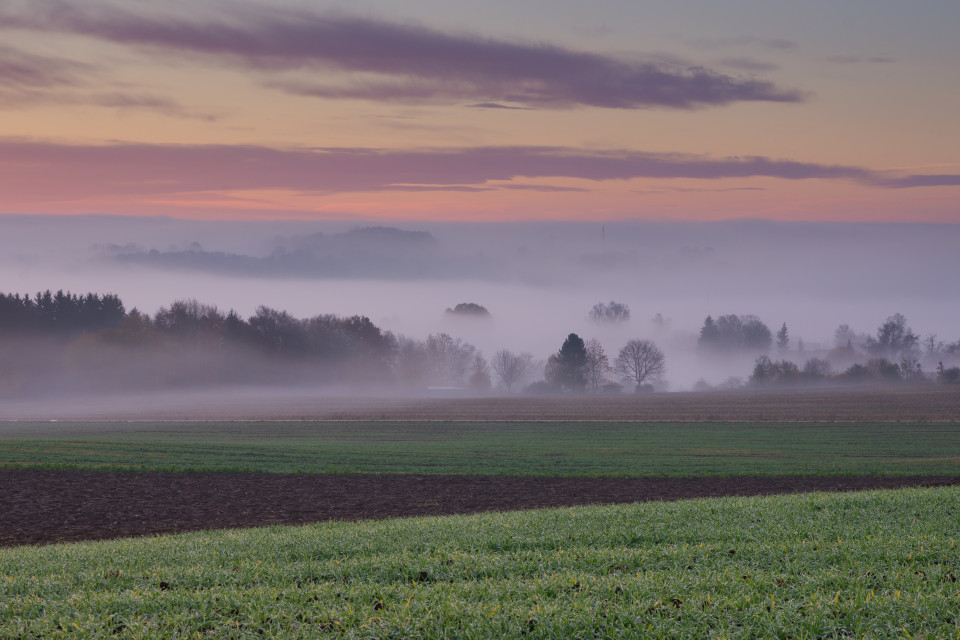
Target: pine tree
[566, 369]
[783, 339]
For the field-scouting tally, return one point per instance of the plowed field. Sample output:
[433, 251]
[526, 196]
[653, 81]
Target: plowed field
[41, 507]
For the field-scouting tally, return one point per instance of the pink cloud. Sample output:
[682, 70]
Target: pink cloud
[38, 171]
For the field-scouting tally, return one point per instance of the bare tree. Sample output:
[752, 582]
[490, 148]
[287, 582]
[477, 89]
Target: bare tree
[933, 348]
[598, 364]
[480, 378]
[449, 358]
[639, 361]
[816, 368]
[510, 368]
[894, 338]
[410, 362]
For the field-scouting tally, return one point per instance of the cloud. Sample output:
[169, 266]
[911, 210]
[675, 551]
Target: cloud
[433, 187]
[777, 44]
[391, 61]
[841, 59]
[20, 99]
[24, 71]
[542, 188]
[28, 80]
[494, 105]
[749, 64]
[909, 182]
[692, 190]
[147, 102]
[35, 171]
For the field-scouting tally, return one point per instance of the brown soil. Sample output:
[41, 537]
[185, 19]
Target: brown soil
[39, 507]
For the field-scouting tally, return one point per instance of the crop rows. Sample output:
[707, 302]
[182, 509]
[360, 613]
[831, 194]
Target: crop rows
[875, 564]
[491, 448]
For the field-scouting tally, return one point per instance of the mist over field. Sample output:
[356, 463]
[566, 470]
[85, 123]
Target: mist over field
[538, 280]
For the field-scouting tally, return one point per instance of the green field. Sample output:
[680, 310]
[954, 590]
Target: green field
[510, 447]
[873, 564]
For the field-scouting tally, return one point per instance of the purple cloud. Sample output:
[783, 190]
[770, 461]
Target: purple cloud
[28, 80]
[841, 59]
[413, 188]
[908, 182]
[137, 169]
[692, 190]
[749, 64]
[19, 99]
[779, 44]
[147, 102]
[404, 62]
[25, 71]
[495, 105]
[542, 188]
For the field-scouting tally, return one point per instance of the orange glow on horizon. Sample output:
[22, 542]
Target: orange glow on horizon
[686, 200]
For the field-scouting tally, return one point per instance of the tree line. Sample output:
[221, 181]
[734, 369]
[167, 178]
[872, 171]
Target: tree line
[894, 354]
[583, 366]
[65, 341]
[61, 314]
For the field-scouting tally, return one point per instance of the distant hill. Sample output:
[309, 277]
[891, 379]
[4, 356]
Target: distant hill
[382, 252]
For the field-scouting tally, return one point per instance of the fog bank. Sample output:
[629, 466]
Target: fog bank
[538, 280]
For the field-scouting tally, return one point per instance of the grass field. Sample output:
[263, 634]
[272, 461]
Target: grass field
[491, 448]
[874, 564]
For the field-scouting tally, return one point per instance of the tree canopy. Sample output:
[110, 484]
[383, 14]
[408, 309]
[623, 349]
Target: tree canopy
[732, 332]
[640, 361]
[613, 312]
[566, 370]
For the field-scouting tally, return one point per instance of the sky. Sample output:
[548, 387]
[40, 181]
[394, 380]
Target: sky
[430, 110]
[793, 160]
